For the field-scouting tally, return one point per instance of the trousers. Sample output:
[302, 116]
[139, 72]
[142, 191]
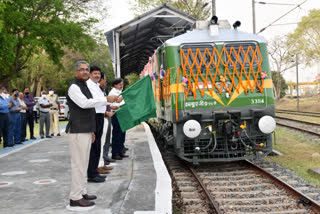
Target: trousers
[14, 128]
[79, 145]
[54, 120]
[23, 126]
[95, 150]
[4, 127]
[107, 141]
[30, 122]
[44, 120]
[118, 137]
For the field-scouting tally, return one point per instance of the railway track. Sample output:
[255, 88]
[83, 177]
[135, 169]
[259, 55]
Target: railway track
[302, 126]
[303, 113]
[236, 187]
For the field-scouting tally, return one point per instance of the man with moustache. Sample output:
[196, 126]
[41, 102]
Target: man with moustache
[80, 129]
[94, 87]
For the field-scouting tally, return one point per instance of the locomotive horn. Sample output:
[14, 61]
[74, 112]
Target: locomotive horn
[236, 24]
[214, 20]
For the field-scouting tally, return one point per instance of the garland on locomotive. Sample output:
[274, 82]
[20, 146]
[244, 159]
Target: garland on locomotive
[214, 96]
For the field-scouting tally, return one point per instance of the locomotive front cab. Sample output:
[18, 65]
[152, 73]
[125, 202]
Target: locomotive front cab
[224, 102]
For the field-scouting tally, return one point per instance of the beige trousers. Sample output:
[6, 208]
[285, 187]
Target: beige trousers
[54, 118]
[79, 145]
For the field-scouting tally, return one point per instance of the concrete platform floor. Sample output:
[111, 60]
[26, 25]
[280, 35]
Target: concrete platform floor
[39, 176]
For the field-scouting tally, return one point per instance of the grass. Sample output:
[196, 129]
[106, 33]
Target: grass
[36, 130]
[300, 153]
[305, 104]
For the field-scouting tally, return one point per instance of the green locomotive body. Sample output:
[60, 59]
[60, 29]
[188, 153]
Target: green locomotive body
[214, 95]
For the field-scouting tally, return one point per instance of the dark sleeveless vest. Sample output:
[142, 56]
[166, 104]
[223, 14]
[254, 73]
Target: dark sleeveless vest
[81, 120]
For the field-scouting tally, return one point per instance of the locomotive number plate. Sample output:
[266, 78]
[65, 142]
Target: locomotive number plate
[257, 101]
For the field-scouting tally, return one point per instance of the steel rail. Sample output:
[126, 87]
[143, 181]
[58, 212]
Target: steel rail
[302, 130]
[209, 196]
[304, 113]
[298, 121]
[304, 199]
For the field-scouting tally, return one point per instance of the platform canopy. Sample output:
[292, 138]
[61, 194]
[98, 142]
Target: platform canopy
[133, 42]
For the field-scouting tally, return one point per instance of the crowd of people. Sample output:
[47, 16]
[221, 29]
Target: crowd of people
[17, 112]
[89, 106]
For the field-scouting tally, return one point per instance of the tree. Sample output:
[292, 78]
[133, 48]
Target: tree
[275, 80]
[31, 27]
[306, 37]
[200, 9]
[279, 52]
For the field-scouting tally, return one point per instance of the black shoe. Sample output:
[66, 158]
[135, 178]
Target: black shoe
[116, 157]
[110, 160]
[89, 197]
[52, 135]
[102, 176]
[96, 180]
[81, 203]
[32, 138]
[124, 156]
[42, 137]
[58, 134]
[125, 149]
[18, 143]
[48, 136]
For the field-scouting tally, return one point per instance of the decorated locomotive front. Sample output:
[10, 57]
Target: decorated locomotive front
[214, 94]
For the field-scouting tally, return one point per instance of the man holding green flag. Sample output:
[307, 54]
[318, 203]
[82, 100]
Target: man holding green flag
[139, 104]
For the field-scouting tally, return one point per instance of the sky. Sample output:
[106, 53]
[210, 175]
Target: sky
[233, 10]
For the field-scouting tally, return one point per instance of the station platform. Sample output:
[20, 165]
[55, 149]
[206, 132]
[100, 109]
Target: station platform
[36, 178]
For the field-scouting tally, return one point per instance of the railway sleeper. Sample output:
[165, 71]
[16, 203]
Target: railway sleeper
[230, 177]
[236, 183]
[266, 208]
[253, 187]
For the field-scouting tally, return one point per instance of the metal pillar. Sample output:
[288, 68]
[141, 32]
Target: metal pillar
[254, 17]
[297, 71]
[214, 12]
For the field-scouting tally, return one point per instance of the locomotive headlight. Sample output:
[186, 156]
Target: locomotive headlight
[192, 128]
[267, 124]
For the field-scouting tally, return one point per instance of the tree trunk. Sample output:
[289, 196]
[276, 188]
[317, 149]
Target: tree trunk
[279, 86]
[39, 86]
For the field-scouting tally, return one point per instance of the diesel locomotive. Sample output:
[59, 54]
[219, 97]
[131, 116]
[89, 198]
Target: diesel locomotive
[214, 94]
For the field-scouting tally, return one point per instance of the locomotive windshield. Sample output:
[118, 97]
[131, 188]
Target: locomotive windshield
[242, 53]
[199, 51]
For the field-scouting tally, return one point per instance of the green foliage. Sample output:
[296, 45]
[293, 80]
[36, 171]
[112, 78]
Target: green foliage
[37, 27]
[275, 78]
[200, 9]
[305, 38]
[131, 79]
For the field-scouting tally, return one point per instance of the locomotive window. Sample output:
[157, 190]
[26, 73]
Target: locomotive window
[164, 61]
[242, 54]
[207, 58]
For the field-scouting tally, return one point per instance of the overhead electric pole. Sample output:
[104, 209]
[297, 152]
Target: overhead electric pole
[214, 12]
[254, 17]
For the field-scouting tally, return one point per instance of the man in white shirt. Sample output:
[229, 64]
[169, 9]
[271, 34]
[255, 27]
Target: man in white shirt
[44, 106]
[54, 111]
[80, 129]
[94, 87]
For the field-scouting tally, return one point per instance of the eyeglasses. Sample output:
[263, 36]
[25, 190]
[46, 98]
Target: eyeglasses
[83, 69]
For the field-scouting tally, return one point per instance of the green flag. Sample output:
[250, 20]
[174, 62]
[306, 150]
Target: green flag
[139, 104]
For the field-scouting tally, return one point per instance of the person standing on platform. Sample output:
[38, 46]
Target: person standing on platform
[80, 129]
[14, 119]
[44, 106]
[108, 115]
[30, 102]
[54, 111]
[4, 117]
[23, 117]
[95, 151]
[118, 137]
